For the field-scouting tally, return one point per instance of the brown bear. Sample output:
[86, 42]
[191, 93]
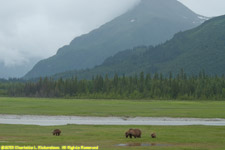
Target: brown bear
[136, 133]
[153, 135]
[56, 132]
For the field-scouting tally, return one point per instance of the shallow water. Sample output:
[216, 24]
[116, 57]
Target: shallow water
[64, 120]
[142, 144]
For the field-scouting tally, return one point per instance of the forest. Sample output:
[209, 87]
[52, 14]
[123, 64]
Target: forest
[141, 86]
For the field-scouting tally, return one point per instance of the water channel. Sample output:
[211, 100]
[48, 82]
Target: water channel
[64, 120]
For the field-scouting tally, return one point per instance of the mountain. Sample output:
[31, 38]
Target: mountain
[195, 50]
[13, 72]
[17, 70]
[151, 22]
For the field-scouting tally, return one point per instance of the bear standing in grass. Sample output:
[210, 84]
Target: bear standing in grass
[153, 135]
[56, 132]
[136, 133]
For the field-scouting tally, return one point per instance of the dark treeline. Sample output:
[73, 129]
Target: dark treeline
[139, 86]
[5, 85]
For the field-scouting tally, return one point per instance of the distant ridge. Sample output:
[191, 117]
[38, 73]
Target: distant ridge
[150, 23]
[195, 50]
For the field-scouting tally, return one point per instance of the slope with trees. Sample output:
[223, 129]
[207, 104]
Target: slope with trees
[150, 23]
[201, 48]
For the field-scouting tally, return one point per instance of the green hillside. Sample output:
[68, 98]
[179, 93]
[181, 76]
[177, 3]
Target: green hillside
[150, 23]
[201, 48]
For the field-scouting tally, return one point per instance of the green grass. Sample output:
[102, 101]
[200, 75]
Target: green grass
[132, 108]
[107, 137]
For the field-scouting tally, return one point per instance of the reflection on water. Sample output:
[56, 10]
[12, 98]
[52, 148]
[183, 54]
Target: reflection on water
[142, 144]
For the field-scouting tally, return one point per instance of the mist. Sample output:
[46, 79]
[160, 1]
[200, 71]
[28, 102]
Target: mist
[34, 30]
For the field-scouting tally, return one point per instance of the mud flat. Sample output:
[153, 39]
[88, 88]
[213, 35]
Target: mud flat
[64, 120]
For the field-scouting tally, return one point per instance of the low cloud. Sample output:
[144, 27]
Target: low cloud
[37, 28]
[31, 30]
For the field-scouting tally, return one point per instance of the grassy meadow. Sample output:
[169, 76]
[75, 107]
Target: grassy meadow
[107, 137]
[129, 108]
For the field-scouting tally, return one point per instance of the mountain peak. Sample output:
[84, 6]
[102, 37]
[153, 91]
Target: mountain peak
[151, 22]
[195, 50]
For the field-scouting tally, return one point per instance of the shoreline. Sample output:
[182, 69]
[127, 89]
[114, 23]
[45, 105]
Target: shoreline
[80, 120]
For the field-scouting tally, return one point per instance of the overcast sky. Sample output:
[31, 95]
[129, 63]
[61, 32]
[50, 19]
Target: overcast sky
[37, 28]
[207, 8]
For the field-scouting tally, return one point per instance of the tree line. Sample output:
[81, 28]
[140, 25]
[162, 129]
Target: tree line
[141, 86]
